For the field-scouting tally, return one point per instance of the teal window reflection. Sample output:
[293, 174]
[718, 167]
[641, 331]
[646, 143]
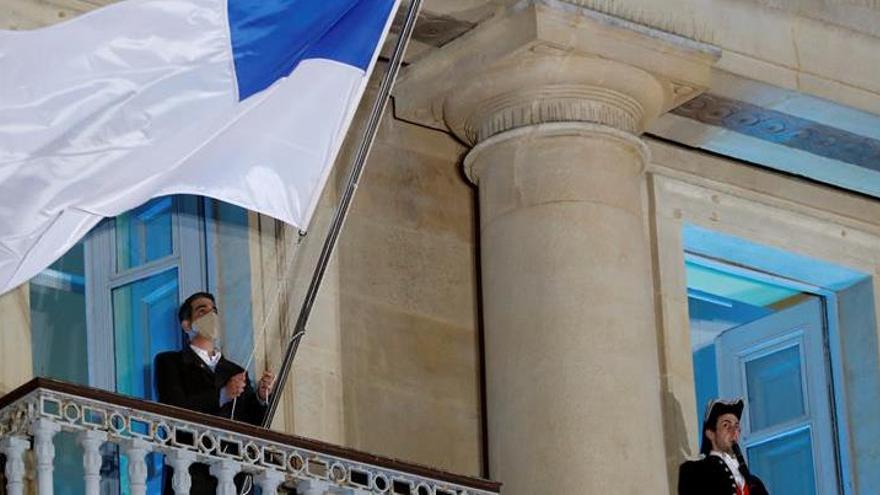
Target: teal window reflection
[145, 234]
[785, 464]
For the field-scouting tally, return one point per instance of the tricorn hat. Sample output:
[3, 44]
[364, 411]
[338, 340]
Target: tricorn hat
[714, 410]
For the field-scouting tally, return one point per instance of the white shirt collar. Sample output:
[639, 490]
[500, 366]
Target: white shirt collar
[733, 465]
[210, 360]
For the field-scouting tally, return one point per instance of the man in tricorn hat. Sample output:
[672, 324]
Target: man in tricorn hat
[721, 468]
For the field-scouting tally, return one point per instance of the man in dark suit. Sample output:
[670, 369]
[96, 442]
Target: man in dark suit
[200, 379]
[721, 468]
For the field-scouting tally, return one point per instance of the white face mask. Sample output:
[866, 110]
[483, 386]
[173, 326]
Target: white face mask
[207, 327]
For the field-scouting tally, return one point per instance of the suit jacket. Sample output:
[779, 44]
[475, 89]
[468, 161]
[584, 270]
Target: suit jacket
[184, 380]
[711, 476]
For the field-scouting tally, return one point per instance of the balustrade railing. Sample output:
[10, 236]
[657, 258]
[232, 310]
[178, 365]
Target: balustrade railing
[32, 415]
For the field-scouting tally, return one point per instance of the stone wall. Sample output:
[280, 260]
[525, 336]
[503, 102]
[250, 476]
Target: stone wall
[16, 366]
[408, 299]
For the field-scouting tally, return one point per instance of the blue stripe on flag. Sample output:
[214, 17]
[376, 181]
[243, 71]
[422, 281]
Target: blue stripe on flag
[270, 37]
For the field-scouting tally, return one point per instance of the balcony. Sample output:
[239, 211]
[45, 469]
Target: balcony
[34, 413]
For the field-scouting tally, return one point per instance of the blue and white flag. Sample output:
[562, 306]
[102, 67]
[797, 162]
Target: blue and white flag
[246, 101]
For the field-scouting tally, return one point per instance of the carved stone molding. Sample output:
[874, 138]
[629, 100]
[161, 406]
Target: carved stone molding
[784, 129]
[552, 103]
[544, 86]
[635, 145]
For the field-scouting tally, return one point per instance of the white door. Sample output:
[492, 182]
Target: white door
[779, 366]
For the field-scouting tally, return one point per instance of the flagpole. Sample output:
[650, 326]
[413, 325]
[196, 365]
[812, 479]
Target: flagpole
[344, 203]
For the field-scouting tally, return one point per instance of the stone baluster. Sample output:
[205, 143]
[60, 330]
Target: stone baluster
[91, 441]
[137, 450]
[225, 472]
[355, 491]
[312, 487]
[269, 481]
[180, 460]
[44, 431]
[13, 448]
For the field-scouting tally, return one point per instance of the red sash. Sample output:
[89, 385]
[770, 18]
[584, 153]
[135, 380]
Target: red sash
[743, 491]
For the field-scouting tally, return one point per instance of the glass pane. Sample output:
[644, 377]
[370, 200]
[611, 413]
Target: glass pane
[785, 464]
[775, 388]
[144, 324]
[58, 319]
[144, 234]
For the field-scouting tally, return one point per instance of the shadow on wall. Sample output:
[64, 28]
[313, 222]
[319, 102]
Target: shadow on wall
[675, 424]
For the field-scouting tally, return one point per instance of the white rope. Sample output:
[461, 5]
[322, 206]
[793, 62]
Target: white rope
[260, 337]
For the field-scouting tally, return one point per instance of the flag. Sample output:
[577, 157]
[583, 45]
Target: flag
[245, 101]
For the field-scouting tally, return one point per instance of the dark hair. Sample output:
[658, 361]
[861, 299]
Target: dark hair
[185, 311]
[714, 410]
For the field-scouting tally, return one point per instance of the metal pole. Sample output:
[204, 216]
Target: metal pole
[344, 204]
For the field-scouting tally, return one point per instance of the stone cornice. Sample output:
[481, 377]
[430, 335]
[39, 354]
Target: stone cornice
[550, 61]
[784, 129]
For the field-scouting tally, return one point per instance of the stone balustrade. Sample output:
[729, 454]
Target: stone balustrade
[32, 415]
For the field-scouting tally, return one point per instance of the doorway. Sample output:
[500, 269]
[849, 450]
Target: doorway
[760, 338]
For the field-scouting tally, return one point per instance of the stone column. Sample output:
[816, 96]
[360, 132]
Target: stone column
[573, 380]
[573, 383]
[571, 347]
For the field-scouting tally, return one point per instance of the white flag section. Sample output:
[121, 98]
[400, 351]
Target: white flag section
[246, 101]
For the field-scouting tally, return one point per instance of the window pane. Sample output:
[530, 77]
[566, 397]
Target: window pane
[145, 324]
[58, 319]
[785, 464]
[774, 388]
[144, 234]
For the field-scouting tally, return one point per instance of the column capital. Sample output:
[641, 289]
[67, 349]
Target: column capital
[548, 61]
[640, 156]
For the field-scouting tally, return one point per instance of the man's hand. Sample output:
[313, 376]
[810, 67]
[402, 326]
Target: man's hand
[264, 388]
[235, 385]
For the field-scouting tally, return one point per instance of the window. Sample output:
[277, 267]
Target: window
[141, 264]
[102, 312]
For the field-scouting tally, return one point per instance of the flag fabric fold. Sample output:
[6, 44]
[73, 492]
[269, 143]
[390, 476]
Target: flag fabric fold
[246, 101]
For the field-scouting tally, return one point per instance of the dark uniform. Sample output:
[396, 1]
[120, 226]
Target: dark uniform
[184, 380]
[711, 476]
